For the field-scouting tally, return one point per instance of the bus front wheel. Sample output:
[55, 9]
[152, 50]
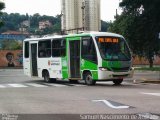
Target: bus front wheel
[88, 79]
[117, 81]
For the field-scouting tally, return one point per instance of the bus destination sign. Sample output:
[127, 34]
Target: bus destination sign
[108, 40]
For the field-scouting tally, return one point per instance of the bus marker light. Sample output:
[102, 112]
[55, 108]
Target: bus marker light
[49, 62]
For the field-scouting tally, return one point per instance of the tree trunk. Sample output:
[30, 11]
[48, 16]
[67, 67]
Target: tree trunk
[150, 62]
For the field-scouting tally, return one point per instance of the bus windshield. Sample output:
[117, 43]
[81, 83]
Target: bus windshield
[113, 48]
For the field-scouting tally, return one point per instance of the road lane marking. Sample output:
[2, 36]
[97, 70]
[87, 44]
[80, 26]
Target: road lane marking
[64, 85]
[154, 94]
[111, 105]
[36, 85]
[78, 85]
[59, 85]
[2, 86]
[17, 85]
[25, 85]
[111, 83]
[55, 85]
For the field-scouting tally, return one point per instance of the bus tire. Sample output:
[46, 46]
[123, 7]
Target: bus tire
[46, 77]
[88, 79]
[117, 81]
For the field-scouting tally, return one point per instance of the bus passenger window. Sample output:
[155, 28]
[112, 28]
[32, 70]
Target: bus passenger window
[88, 49]
[44, 49]
[26, 53]
[58, 48]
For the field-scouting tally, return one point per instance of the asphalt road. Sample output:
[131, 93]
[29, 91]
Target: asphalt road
[23, 95]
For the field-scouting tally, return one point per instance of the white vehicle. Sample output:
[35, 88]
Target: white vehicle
[94, 56]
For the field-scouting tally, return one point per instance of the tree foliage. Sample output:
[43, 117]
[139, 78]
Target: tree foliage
[140, 24]
[11, 45]
[13, 22]
[2, 6]
[104, 26]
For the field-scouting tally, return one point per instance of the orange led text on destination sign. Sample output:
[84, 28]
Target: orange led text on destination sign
[108, 40]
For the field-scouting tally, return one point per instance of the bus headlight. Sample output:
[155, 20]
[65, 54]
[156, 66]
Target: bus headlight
[103, 69]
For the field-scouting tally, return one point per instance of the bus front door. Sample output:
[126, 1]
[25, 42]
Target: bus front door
[34, 59]
[74, 59]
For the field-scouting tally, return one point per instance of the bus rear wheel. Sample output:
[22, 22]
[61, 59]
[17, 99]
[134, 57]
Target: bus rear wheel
[46, 77]
[88, 79]
[117, 81]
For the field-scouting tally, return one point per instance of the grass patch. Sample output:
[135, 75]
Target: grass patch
[148, 69]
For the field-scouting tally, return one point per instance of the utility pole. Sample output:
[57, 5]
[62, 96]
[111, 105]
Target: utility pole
[62, 30]
[159, 42]
[116, 14]
[29, 25]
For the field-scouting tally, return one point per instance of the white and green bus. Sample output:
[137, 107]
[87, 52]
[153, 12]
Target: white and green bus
[92, 56]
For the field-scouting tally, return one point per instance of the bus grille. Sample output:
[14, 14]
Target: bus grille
[120, 75]
[125, 69]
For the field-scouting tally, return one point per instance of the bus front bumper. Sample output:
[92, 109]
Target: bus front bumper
[110, 75]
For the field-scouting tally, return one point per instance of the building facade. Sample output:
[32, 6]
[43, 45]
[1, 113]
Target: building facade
[44, 24]
[93, 18]
[80, 14]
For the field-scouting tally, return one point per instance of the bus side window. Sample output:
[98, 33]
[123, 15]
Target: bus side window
[44, 49]
[26, 53]
[88, 49]
[58, 48]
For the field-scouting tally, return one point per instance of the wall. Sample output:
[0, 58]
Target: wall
[143, 61]
[11, 58]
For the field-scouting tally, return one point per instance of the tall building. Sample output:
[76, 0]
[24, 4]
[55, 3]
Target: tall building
[81, 14]
[71, 14]
[93, 15]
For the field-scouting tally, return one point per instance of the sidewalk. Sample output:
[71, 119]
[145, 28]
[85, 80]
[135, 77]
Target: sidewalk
[146, 81]
[147, 77]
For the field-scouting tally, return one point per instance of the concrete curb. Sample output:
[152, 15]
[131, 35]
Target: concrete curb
[152, 81]
[146, 81]
[143, 71]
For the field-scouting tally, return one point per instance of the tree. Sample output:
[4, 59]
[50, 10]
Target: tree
[2, 6]
[104, 26]
[14, 21]
[11, 45]
[140, 24]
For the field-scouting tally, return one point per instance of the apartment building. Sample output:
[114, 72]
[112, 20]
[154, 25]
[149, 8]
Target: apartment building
[81, 14]
[44, 24]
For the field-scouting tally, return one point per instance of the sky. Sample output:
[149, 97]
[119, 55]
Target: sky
[53, 7]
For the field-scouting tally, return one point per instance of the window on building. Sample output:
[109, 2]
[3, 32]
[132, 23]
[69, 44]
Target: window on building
[26, 54]
[44, 49]
[58, 48]
[88, 49]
